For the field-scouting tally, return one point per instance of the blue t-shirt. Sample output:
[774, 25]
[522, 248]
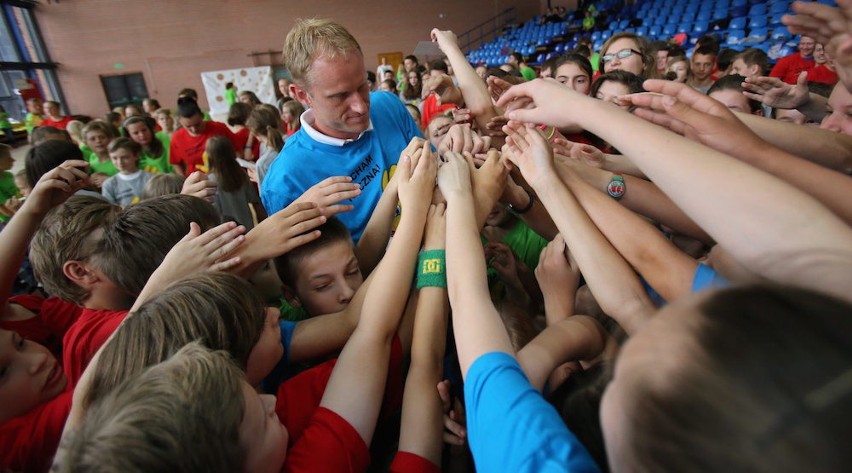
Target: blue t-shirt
[370, 160]
[511, 427]
[707, 278]
[281, 371]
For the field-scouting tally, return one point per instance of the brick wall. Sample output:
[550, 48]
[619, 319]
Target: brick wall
[172, 41]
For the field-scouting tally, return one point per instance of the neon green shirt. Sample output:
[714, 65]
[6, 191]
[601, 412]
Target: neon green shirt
[231, 96]
[155, 165]
[8, 189]
[528, 73]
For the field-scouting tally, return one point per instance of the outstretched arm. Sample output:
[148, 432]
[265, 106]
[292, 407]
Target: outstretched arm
[609, 277]
[357, 383]
[422, 410]
[767, 224]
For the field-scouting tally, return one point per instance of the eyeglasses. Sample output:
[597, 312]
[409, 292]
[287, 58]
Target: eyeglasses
[623, 54]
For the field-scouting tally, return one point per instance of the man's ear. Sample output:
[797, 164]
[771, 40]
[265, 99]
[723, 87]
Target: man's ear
[300, 94]
[754, 70]
[79, 273]
[290, 296]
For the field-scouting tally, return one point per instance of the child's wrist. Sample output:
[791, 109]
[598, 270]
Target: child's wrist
[431, 269]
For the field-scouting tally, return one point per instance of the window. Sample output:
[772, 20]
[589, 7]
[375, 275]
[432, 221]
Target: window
[123, 89]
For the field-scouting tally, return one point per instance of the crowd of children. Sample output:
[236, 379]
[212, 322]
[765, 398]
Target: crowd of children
[645, 265]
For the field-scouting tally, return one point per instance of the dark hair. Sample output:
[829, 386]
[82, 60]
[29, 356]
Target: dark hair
[708, 40]
[763, 386]
[583, 50]
[413, 58]
[135, 243]
[112, 117]
[391, 83]
[412, 92]
[631, 80]
[548, 64]
[725, 58]
[439, 65]
[43, 157]
[163, 184]
[228, 85]
[752, 56]
[581, 61]
[578, 401]
[222, 160]
[706, 51]
[40, 134]
[821, 88]
[518, 57]
[136, 107]
[238, 113]
[188, 107]
[733, 82]
[371, 77]
[124, 143]
[252, 97]
[413, 108]
[155, 148]
[188, 92]
[332, 231]
[267, 123]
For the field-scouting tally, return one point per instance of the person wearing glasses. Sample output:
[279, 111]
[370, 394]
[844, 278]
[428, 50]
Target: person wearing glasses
[627, 52]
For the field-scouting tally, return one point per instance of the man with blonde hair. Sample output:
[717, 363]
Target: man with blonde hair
[346, 130]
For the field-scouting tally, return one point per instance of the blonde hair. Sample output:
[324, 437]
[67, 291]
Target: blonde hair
[75, 129]
[182, 415]
[312, 38]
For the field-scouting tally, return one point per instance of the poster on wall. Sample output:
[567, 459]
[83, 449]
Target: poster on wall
[255, 79]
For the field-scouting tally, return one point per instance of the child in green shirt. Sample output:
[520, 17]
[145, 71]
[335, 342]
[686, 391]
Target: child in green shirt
[9, 192]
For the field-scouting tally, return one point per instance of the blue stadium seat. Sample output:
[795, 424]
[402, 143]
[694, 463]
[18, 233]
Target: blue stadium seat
[655, 31]
[700, 27]
[739, 3]
[781, 7]
[759, 21]
[738, 23]
[669, 30]
[781, 34]
[758, 35]
[720, 15]
[735, 36]
[757, 9]
[642, 31]
[775, 20]
[704, 15]
[684, 27]
[687, 16]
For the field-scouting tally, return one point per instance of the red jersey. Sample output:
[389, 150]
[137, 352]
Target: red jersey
[188, 150]
[53, 317]
[30, 441]
[241, 139]
[61, 124]
[431, 109]
[789, 67]
[823, 75]
[85, 337]
[407, 462]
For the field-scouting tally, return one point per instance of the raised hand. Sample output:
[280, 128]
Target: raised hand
[443, 86]
[460, 138]
[328, 194]
[455, 432]
[694, 115]
[542, 102]
[527, 149]
[558, 275]
[445, 39]
[201, 252]
[289, 228]
[581, 152]
[198, 185]
[57, 185]
[462, 115]
[774, 92]
[497, 87]
[416, 181]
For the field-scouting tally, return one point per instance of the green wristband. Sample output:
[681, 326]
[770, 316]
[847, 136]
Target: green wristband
[431, 269]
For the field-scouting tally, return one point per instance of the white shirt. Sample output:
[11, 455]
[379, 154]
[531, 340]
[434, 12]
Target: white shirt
[307, 120]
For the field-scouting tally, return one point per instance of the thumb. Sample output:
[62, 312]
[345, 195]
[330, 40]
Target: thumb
[524, 115]
[802, 81]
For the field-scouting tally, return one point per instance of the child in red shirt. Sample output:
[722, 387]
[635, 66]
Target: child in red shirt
[186, 151]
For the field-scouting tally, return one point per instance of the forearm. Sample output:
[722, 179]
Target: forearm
[473, 88]
[609, 277]
[375, 237]
[536, 217]
[393, 275]
[747, 216]
[667, 269]
[815, 108]
[823, 147]
[14, 240]
[621, 164]
[574, 339]
[478, 328]
[421, 406]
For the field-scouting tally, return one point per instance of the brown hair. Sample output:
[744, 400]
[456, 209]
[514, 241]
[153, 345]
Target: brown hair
[296, 109]
[136, 242]
[162, 184]
[221, 311]
[765, 386]
[238, 113]
[312, 38]
[182, 415]
[155, 148]
[101, 126]
[332, 231]
[222, 160]
[267, 123]
[649, 62]
[126, 144]
[69, 232]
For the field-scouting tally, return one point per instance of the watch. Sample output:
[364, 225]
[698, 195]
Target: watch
[616, 187]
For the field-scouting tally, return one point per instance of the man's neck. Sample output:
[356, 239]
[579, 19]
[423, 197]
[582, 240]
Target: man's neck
[331, 132]
[701, 83]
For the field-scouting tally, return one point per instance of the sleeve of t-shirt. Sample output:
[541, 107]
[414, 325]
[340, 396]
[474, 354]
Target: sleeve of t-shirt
[299, 397]
[108, 191]
[707, 278]
[328, 444]
[511, 427]
[407, 462]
